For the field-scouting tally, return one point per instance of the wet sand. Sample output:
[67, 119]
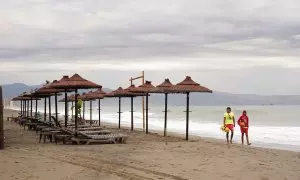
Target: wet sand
[143, 157]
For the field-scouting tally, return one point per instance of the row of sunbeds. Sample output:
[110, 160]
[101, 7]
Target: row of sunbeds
[85, 134]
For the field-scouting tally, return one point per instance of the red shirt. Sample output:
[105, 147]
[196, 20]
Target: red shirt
[245, 119]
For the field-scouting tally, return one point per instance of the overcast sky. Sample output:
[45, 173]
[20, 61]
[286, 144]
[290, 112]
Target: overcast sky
[227, 45]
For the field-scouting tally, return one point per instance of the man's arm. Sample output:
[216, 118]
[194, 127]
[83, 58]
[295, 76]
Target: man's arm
[224, 120]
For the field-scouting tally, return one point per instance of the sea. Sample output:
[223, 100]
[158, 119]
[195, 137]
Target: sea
[270, 126]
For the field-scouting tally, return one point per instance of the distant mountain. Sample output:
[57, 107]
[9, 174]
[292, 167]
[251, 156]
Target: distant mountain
[214, 99]
[12, 90]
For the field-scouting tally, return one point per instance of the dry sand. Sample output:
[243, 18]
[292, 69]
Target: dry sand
[143, 157]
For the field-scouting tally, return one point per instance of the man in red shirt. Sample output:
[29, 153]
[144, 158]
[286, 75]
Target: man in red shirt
[243, 122]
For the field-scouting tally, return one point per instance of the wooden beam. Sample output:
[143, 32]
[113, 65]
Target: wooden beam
[1, 121]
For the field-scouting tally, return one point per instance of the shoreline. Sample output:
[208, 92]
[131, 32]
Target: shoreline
[181, 136]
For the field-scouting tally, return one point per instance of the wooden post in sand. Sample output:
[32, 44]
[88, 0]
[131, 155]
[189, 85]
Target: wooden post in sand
[142, 77]
[1, 121]
[45, 110]
[166, 114]
[119, 112]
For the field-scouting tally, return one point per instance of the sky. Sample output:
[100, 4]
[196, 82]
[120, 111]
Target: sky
[249, 47]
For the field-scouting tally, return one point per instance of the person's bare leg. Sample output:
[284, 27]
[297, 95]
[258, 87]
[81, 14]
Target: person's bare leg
[242, 138]
[247, 137]
[227, 137]
[231, 137]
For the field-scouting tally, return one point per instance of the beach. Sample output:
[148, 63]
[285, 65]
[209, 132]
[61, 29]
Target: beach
[142, 157]
[270, 126]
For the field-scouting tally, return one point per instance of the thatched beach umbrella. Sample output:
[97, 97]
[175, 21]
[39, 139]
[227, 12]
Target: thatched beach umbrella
[145, 88]
[75, 82]
[130, 89]
[45, 96]
[22, 99]
[118, 93]
[98, 94]
[19, 98]
[164, 88]
[62, 81]
[30, 98]
[87, 97]
[71, 99]
[121, 93]
[186, 87]
[21, 104]
[47, 90]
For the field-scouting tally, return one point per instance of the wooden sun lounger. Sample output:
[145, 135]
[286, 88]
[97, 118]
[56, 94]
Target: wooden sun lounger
[90, 129]
[97, 132]
[107, 138]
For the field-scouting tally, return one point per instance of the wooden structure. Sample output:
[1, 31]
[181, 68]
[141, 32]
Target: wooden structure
[164, 88]
[188, 86]
[1, 121]
[121, 93]
[145, 88]
[74, 83]
[142, 77]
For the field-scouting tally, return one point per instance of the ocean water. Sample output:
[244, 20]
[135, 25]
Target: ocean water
[270, 126]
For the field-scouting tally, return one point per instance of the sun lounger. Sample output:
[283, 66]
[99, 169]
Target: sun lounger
[104, 131]
[107, 138]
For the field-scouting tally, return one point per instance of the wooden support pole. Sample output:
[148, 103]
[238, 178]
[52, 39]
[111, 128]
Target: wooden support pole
[76, 110]
[119, 112]
[36, 107]
[66, 108]
[187, 116]
[147, 102]
[49, 108]
[45, 110]
[91, 112]
[56, 109]
[99, 111]
[143, 101]
[1, 121]
[83, 110]
[21, 108]
[72, 109]
[166, 114]
[31, 110]
[131, 98]
[27, 108]
[142, 77]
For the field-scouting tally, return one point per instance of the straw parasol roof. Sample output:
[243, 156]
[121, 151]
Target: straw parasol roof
[99, 91]
[69, 98]
[87, 96]
[98, 94]
[145, 88]
[163, 87]
[131, 88]
[19, 98]
[188, 85]
[120, 92]
[46, 89]
[74, 82]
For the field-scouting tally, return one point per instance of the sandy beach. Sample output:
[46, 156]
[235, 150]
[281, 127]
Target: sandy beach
[143, 157]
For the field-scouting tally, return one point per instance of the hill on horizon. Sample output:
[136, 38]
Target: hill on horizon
[214, 99]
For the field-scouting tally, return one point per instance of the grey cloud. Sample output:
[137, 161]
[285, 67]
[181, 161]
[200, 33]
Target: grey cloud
[208, 36]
